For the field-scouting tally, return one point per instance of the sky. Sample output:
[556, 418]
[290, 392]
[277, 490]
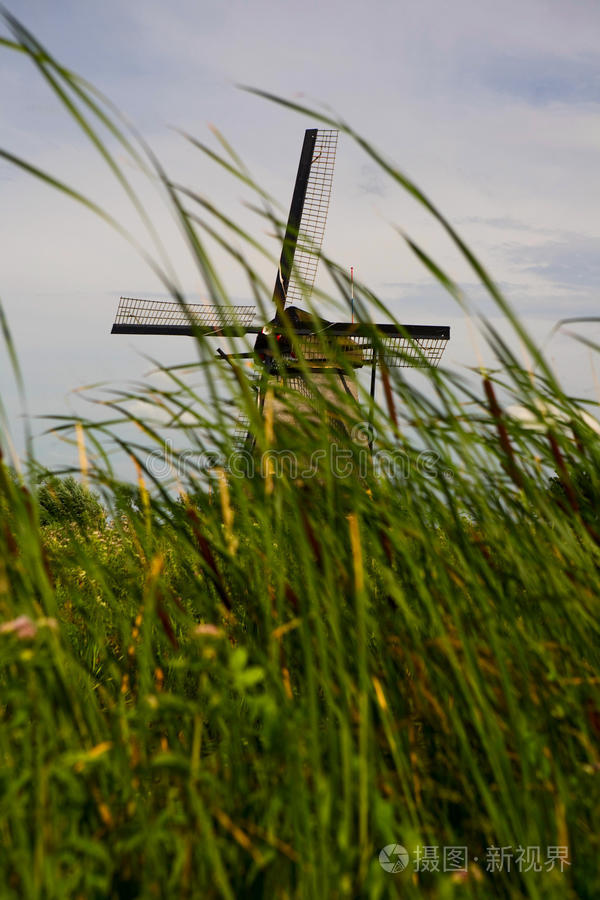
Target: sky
[491, 108]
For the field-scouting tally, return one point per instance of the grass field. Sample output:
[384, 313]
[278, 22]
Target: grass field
[226, 686]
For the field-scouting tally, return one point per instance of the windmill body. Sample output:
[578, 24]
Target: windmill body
[315, 358]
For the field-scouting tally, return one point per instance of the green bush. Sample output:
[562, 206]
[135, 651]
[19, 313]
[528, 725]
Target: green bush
[66, 501]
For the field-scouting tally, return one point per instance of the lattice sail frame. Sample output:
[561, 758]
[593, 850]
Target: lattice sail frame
[135, 314]
[314, 218]
[391, 350]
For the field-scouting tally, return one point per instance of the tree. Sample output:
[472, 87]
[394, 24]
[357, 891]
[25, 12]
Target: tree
[67, 501]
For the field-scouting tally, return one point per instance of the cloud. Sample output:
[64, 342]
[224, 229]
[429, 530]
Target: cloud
[372, 181]
[572, 262]
[538, 79]
[504, 223]
[427, 302]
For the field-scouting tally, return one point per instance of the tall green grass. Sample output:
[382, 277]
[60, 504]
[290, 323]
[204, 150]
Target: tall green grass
[248, 686]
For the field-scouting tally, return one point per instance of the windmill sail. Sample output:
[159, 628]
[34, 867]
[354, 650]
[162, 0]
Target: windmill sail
[138, 316]
[410, 346]
[394, 349]
[307, 218]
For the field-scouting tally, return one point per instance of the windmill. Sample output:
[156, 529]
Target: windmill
[328, 351]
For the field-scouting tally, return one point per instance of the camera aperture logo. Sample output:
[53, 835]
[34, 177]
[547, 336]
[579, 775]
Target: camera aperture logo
[393, 858]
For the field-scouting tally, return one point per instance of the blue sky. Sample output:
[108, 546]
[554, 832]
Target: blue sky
[492, 108]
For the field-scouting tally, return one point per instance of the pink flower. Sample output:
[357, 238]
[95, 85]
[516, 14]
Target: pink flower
[25, 628]
[209, 630]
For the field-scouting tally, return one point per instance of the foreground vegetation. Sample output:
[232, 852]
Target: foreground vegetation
[233, 686]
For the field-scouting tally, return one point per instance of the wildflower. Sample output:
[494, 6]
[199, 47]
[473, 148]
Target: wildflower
[25, 628]
[208, 630]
